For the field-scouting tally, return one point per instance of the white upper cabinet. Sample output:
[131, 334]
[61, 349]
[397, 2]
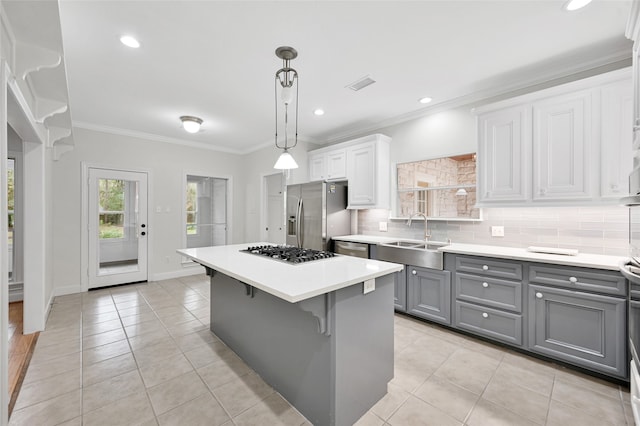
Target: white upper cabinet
[317, 166]
[337, 164]
[362, 179]
[369, 173]
[567, 145]
[364, 163]
[616, 139]
[562, 141]
[328, 165]
[503, 142]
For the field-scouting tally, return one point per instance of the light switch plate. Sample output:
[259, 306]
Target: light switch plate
[497, 231]
[369, 286]
[382, 226]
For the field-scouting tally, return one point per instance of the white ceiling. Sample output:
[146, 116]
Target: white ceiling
[215, 60]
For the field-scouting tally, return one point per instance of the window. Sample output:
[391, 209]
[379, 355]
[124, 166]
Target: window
[205, 211]
[440, 188]
[192, 208]
[112, 208]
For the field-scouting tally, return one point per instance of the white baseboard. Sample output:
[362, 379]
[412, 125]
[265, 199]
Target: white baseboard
[62, 291]
[185, 272]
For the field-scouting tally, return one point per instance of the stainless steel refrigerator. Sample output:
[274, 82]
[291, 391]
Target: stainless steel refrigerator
[316, 212]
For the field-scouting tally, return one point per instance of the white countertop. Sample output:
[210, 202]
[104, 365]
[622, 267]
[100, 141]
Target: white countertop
[292, 283]
[585, 260]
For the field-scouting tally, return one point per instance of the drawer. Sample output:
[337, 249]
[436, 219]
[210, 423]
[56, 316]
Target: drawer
[492, 323]
[501, 294]
[489, 267]
[579, 279]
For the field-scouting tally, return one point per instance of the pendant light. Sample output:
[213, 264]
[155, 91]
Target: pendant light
[286, 82]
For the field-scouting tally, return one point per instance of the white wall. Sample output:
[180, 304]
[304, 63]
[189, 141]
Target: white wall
[166, 164]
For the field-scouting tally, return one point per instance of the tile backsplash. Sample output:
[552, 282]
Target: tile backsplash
[600, 230]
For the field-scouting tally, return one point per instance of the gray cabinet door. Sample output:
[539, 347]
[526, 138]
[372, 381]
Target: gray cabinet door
[581, 328]
[429, 294]
[400, 291]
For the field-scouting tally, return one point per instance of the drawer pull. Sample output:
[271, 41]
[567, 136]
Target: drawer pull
[414, 272]
[485, 315]
[539, 295]
[485, 285]
[573, 279]
[485, 268]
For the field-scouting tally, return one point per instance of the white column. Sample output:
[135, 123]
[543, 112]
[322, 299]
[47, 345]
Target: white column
[34, 237]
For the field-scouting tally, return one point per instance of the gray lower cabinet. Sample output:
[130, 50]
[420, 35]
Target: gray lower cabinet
[429, 294]
[581, 328]
[488, 322]
[400, 291]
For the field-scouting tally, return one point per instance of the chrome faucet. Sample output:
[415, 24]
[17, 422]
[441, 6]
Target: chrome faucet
[426, 231]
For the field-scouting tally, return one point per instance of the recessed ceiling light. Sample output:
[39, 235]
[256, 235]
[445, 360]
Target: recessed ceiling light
[190, 123]
[572, 5]
[130, 41]
[424, 100]
[318, 111]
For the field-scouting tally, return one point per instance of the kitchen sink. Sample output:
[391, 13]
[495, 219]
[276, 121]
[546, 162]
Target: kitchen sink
[416, 253]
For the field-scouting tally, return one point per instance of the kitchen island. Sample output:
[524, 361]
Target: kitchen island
[309, 330]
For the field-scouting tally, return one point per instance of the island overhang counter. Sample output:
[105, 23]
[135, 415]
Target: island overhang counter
[309, 330]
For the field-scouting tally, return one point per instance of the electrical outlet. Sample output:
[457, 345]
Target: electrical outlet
[497, 231]
[369, 286]
[382, 226]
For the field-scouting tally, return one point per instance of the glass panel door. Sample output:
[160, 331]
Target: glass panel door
[117, 227]
[206, 211]
[11, 216]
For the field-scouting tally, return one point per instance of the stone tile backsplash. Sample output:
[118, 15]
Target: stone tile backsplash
[600, 230]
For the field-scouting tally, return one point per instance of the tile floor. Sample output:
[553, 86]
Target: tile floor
[142, 354]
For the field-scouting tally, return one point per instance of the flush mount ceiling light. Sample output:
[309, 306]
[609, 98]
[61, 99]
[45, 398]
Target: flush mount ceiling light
[286, 79]
[572, 5]
[318, 111]
[191, 124]
[425, 100]
[129, 41]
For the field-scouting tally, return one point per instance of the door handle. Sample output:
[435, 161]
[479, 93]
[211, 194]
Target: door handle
[298, 222]
[301, 220]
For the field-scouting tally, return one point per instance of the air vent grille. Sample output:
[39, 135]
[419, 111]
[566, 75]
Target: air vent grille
[361, 83]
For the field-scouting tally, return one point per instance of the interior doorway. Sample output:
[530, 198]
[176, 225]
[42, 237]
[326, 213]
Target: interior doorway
[118, 228]
[274, 208]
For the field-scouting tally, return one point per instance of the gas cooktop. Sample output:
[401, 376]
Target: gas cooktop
[289, 254]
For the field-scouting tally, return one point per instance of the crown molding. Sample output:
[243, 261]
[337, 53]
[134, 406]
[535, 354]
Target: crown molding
[152, 137]
[633, 23]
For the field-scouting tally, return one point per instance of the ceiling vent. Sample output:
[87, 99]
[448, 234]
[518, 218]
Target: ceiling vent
[361, 83]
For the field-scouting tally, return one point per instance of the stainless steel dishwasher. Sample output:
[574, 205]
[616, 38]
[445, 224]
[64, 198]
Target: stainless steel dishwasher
[352, 249]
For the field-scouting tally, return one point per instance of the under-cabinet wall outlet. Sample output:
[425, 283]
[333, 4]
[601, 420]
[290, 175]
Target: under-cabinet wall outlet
[382, 226]
[497, 231]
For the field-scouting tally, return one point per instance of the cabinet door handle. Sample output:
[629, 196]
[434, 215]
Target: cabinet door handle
[414, 272]
[485, 285]
[543, 192]
[485, 315]
[539, 295]
[485, 268]
[573, 279]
